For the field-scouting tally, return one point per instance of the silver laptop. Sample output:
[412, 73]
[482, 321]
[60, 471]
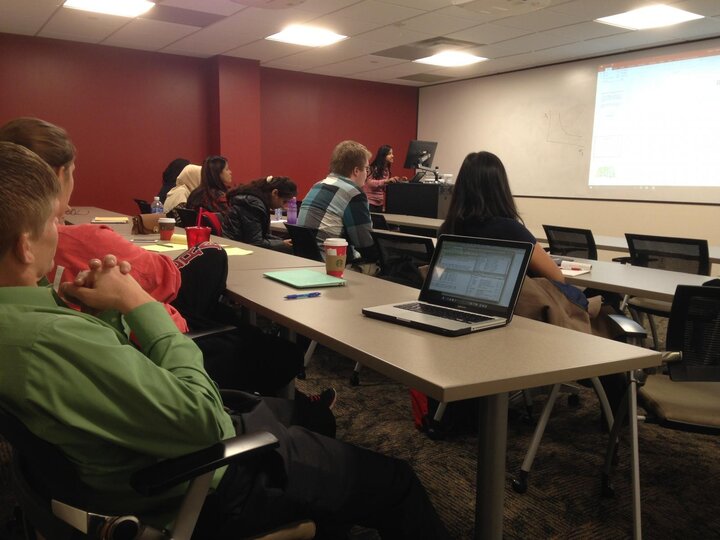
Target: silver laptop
[472, 284]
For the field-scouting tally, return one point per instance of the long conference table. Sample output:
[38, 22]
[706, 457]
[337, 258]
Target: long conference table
[486, 365]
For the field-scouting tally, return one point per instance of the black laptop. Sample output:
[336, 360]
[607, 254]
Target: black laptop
[472, 284]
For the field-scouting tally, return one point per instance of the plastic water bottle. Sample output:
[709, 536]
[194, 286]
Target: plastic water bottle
[278, 214]
[156, 207]
[292, 211]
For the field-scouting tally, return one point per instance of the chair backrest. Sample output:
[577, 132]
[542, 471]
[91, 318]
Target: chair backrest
[304, 242]
[401, 255]
[678, 254]
[379, 222]
[188, 217]
[571, 242]
[694, 329]
[144, 206]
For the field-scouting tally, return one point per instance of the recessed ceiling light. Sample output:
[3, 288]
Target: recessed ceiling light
[654, 16]
[309, 36]
[451, 59]
[123, 8]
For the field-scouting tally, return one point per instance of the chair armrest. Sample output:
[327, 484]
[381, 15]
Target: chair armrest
[171, 472]
[224, 329]
[668, 357]
[623, 260]
[628, 326]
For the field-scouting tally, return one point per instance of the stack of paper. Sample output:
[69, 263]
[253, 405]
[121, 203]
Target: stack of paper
[574, 268]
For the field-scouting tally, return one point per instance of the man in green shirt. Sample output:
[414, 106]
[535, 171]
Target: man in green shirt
[75, 380]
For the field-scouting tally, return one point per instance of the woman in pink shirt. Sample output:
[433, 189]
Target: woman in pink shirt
[379, 176]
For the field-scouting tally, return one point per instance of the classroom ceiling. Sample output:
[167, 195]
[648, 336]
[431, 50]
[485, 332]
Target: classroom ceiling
[384, 35]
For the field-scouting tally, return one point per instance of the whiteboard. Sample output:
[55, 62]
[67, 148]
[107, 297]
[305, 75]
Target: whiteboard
[539, 122]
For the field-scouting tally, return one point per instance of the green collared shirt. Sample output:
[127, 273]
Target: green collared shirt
[76, 381]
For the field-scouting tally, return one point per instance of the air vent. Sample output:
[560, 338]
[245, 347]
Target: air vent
[426, 78]
[427, 47]
[187, 17]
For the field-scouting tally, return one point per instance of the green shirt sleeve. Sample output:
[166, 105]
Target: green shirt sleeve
[157, 402]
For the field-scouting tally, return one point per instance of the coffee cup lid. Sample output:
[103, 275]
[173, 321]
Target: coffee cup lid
[335, 242]
[166, 220]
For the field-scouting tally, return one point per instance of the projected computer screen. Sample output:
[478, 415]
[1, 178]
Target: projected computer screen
[657, 122]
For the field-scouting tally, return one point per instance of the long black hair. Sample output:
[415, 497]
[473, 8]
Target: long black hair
[211, 193]
[263, 188]
[481, 192]
[379, 164]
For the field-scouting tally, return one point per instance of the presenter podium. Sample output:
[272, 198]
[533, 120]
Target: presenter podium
[418, 199]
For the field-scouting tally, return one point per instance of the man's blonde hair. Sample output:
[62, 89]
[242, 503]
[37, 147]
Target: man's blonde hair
[28, 188]
[346, 156]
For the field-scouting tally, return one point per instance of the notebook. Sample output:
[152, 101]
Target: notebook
[305, 279]
[472, 284]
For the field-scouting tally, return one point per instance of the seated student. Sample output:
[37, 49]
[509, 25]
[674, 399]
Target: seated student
[248, 219]
[76, 381]
[215, 181]
[482, 205]
[169, 176]
[247, 360]
[337, 207]
[186, 182]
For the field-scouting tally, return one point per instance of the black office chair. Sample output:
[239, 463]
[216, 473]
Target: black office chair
[143, 206]
[188, 218]
[58, 505]
[379, 222]
[571, 242]
[401, 256]
[667, 253]
[304, 242]
[687, 395]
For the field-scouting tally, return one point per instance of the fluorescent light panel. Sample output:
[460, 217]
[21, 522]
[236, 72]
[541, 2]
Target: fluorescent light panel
[123, 8]
[309, 36]
[654, 16]
[451, 59]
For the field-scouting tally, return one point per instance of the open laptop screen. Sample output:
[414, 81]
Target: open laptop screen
[476, 274]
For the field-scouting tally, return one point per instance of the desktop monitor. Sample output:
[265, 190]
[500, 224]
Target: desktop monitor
[420, 153]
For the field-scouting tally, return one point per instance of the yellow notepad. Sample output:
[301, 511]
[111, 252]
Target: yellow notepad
[110, 219]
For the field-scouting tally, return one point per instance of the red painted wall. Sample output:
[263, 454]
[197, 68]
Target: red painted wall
[304, 116]
[128, 112]
[131, 112]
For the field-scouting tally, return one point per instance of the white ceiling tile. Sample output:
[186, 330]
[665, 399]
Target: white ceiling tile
[590, 10]
[464, 13]
[489, 33]
[393, 36]
[587, 30]
[433, 23]
[356, 65]
[148, 34]
[22, 17]
[377, 12]
[537, 21]
[708, 8]
[523, 44]
[326, 6]
[264, 50]
[427, 5]
[84, 26]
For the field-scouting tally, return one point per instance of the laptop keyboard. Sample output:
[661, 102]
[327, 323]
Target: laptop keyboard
[444, 313]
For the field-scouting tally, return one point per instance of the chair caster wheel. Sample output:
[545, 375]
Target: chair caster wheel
[302, 375]
[433, 429]
[519, 484]
[355, 379]
[607, 489]
[573, 400]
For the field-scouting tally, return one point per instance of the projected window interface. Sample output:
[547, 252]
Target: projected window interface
[656, 122]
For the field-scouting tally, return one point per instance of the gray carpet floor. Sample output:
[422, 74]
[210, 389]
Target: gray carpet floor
[680, 472]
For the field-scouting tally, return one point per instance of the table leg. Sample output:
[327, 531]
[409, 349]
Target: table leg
[490, 490]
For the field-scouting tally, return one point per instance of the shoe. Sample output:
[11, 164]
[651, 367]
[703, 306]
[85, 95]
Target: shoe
[327, 397]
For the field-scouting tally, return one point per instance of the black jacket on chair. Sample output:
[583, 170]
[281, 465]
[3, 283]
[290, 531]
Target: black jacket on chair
[248, 220]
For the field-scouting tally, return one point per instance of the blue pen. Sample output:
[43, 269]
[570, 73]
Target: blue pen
[302, 295]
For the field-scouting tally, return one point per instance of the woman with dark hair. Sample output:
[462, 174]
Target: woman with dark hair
[215, 181]
[379, 177]
[169, 176]
[248, 218]
[482, 205]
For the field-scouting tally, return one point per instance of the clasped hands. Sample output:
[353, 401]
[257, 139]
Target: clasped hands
[105, 285]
